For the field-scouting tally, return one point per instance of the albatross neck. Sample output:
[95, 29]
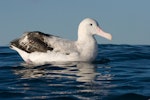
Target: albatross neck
[87, 46]
[85, 37]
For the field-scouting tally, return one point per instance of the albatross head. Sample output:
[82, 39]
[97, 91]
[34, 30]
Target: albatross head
[90, 27]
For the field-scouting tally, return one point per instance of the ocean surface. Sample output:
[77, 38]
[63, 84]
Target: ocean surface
[120, 72]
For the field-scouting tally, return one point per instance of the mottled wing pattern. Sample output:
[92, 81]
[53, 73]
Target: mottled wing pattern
[32, 41]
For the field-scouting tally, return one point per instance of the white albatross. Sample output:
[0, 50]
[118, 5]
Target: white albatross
[40, 48]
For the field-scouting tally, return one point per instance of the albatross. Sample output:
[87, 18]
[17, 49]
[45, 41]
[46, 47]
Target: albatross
[39, 48]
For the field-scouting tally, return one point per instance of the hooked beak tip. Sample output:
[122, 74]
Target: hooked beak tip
[110, 37]
[104, 34]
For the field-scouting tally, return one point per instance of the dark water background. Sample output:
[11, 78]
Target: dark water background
[121, 72]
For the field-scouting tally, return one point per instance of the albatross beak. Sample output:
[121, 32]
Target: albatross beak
[100, 32]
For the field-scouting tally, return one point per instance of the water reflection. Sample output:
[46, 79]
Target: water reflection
[81, 79]
[86, 72]
[80, 71]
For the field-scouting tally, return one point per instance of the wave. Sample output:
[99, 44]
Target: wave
[124, 52]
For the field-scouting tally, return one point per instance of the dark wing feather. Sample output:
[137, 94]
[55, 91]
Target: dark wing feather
[34, 42]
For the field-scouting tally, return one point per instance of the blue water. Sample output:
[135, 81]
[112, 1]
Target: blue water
[121, 72]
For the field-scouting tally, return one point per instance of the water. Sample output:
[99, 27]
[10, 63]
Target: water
[121, 72]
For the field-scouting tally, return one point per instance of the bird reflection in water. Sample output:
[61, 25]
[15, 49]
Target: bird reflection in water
[78, 77]
[81, 71]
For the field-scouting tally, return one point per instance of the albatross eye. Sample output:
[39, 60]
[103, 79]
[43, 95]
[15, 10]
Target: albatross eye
[91, 24]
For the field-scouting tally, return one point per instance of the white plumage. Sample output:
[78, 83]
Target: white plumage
[40, 48]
